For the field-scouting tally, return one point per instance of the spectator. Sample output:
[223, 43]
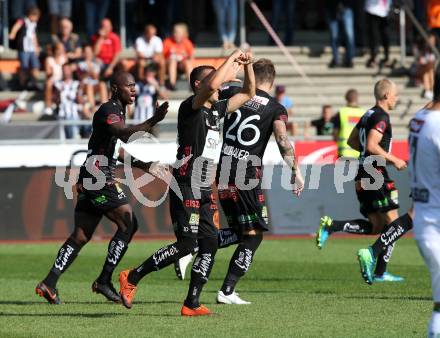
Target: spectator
[286, 7]
[95, 11]
[425, 64]
[54, 73]
[58, 9]
[283, 99]
[323, 125]
[24, 32]
[68, 98]
[148, 91]
[70, 40]
[106, 47]
[178, 51]
[377, 24]
[149, 48]
[344, 122]
[19, 8]
[340, 12]
[226, 12]
[88, 70]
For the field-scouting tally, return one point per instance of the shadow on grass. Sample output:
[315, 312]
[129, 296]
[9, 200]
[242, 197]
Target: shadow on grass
[391, 297]
[27, 303]
[88, 315]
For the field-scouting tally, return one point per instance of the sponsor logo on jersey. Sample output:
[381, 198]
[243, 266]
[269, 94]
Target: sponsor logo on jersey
[113, 118]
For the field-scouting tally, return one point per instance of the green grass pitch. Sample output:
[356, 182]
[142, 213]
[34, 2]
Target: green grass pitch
[295, 290]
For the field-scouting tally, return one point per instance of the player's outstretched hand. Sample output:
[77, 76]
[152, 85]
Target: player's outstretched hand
[161, 112]
[400, 164]
[297, 182]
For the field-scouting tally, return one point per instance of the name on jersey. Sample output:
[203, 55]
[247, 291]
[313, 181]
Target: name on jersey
[239, 154]
[256, 102]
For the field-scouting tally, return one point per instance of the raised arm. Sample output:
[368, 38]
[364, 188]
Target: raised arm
[249, 87]
[14, 30]
[214, 81]
[124, 132]
[288, 153]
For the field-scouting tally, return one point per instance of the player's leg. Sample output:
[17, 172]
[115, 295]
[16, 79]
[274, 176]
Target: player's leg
[85, 225]
[229, 236]
[329, 226]
[185, 217]
[204, 261]
[252, 223]
[127, 224]
[427, 236]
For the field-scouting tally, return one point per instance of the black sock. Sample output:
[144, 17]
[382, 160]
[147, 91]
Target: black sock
[200, 271]
[66, 255]
[391, 233]
[241, 261]
[382, 260]
[227, 237]
[162, 258]
[355, 226]
[116, 250]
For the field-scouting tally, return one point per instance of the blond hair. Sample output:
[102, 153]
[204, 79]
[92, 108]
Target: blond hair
[381, 88]
[183, 27]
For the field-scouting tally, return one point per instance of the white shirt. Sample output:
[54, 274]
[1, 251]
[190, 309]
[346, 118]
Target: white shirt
[378, 7]
[148, 48]
[28, 39]
[424, 144]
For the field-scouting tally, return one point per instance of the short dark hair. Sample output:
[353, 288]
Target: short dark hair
[326, 106]
[33, 10]
[264, 71]
[196, 75]
[436, 95]
[351, 95]
[117, 78]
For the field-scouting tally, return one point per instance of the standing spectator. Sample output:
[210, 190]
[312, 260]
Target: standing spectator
[70, 40]
[95, 11]
[377, 24]
[24, 32]
[341, 12]
[425, 64]
[323, 125]
[286, 9]
[88, 70]
[58, 9]
[226, 12]
[344, 122]
[69, 97]
[149, 48]
[283, 99]
[54, 73]
[106, 47]
[178, 51]
[147, 91]
[19, 8]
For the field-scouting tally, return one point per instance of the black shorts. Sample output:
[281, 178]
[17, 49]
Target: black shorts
[100, 201]
[245, 210]
[194, 217]
[384, 199]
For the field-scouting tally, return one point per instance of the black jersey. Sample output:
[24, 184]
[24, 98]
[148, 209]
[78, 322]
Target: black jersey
[374, 119]
[102, 142]
[246, 133]
[198, 138]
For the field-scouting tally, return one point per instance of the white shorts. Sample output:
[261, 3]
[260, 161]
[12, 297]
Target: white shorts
[427, 235]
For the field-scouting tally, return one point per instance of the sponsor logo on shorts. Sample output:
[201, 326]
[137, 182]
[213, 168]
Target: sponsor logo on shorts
[194, 219]
[100, 199]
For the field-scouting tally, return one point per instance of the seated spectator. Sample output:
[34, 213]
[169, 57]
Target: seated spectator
[324, 125]
[147, 91]
[25, 37]
[178, 51]
[106, 47]
[424, 60]
[283, 99]
[88, 73]
[70, 40]
[54, 73]
[149, 49]
[68, 98]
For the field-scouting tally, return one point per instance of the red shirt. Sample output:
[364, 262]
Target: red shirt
[179, 51]
[109, 47]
